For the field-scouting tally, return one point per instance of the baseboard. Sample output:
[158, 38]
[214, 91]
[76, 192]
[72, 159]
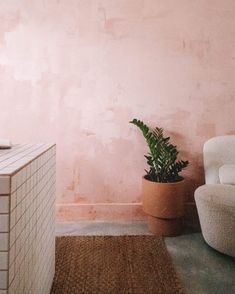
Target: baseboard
[116, 212]
[99, 211]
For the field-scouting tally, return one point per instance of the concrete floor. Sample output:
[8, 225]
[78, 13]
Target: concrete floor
[201, 269]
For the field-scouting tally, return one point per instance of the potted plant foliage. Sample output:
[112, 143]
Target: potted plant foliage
[162, 186]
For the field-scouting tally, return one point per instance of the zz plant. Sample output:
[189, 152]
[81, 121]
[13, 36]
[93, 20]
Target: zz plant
[162, 156]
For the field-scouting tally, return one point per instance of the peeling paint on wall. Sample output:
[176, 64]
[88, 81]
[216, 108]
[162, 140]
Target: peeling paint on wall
[76, 72]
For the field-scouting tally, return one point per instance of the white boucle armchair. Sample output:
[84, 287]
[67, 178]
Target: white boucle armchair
[216, 199]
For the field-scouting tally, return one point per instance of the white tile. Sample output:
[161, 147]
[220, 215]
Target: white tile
[19, 179]
[4, 241]
[27, 186]
[13, 183]
[28, 171]
[13, 200]
[17, 280]
[33, 168]
[19, 194]
[9, 170]
[18, 230]
[4, 223]
[23, 190]
[17, 260]
[4, 204]
[31, 183]
[13, 219]
[11, 272]
[12, 254]
[11, 289]
[4, 185]
[12, 236]
[3, 260]
[24, 174]
[18, 212]
[3, 279]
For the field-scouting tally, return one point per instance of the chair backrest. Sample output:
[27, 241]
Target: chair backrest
[217, 152]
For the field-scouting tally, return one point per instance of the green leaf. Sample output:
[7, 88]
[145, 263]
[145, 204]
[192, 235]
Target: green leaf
[162, 155]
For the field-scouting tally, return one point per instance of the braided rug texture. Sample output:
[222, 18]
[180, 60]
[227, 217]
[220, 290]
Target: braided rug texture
[114, 265]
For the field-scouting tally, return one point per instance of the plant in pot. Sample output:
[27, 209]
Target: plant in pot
[162, 186]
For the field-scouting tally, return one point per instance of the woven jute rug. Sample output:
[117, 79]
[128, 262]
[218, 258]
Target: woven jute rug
[114, 265]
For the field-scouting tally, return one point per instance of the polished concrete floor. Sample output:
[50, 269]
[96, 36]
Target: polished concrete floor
[201, 269]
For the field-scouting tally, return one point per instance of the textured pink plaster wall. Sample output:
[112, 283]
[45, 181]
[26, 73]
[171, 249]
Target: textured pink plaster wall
[75, 72]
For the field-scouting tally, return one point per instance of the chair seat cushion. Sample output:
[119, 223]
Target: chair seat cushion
[218, 195]
[227, 174]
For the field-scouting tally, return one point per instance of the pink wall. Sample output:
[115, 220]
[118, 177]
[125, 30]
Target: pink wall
[75, 72]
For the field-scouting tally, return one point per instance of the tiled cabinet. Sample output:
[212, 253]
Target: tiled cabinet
[27, 218]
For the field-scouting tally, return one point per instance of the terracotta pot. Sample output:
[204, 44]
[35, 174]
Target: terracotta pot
[164, 203]
[165, 227]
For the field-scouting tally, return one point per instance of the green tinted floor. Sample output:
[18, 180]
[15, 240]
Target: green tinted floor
[201, 268]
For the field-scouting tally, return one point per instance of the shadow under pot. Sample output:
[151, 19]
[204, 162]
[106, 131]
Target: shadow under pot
[164, 204]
